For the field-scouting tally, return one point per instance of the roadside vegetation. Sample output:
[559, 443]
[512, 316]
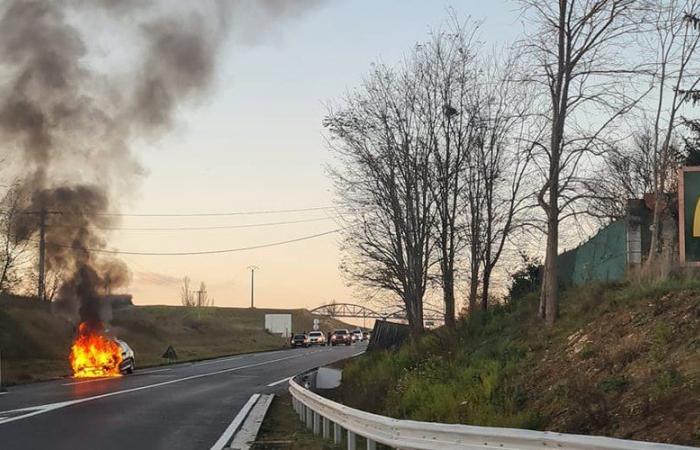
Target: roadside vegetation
[623, 361]
[282, 429]
[35, 343]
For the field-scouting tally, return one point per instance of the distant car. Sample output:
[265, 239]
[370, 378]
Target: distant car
[341, 337]
[317, 338]
[365, 335]
[357, 335]
[300, 340]
[128, 364]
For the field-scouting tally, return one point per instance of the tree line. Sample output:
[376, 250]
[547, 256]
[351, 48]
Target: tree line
[447, 161]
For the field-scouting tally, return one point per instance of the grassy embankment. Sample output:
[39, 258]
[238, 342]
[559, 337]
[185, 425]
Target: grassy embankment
[34, 343]
[623, 361]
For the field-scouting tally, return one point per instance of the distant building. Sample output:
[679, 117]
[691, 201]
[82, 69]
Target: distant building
[119, 300]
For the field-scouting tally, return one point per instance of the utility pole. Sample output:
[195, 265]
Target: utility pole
[252, 285]
[43, 215]
[199, 302]
[42, 252]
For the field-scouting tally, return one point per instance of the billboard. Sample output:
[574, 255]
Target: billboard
[689, 215]
[279, 324]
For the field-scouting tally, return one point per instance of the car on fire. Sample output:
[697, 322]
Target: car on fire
[341, 336]
[128, 364]
[300, 340]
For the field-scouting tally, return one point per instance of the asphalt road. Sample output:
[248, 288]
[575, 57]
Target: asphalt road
[184, 406]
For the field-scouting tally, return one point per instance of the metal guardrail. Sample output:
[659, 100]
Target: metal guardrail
[321, 414]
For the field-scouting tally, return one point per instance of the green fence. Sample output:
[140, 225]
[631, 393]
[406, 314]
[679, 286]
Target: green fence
[601, 258]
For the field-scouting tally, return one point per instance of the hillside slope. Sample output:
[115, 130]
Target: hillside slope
[623, 361]
[34, 343]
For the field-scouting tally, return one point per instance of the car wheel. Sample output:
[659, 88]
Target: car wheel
[132, 367]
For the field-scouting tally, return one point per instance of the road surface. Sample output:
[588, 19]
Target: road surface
[185, 406]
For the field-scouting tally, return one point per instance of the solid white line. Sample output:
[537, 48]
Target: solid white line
[52, 406]
[228, 432]
[357, 354]
[214, 361]
[153, 371]
[92, 380]
[279, 382]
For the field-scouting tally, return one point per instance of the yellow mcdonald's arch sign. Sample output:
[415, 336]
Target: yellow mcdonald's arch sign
[696, 219]
[689, 215]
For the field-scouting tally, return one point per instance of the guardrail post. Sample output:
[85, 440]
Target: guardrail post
[352, 441]
[326, 428]
[337, 433]
[317, 422]
[371, 445]
[309, 417]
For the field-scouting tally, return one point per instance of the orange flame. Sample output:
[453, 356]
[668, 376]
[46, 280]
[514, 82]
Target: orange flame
[93, 354]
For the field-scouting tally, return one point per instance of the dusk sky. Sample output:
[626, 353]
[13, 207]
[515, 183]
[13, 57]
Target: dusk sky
[255, 142]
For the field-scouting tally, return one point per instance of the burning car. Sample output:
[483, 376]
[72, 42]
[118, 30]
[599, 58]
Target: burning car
[128, 364]
[94, 354]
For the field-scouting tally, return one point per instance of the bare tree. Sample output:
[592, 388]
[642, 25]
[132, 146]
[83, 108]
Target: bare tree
[673, 39]
[627, 171]
[186, 294]
[581, 72]
[501, 156]
[446, 67]
[383, 182]
[14, 246]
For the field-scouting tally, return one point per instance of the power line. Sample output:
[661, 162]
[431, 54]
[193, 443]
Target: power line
[205, 252]
[235, 213]
[215, 227]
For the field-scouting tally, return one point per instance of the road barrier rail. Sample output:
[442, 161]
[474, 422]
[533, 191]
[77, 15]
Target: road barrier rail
[321, 414]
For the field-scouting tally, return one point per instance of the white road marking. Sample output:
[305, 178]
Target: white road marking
[92, 380]
[275, 383]
[3, 393]
[357, 354]
[214, 361]
[153, 371]
[240, 417]
[35, 410]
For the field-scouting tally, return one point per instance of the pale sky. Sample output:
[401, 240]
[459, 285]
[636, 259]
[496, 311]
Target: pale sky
[255, 142]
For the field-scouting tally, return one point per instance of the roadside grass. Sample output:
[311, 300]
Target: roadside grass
[35, 342]
[282, 429]
[623, 360]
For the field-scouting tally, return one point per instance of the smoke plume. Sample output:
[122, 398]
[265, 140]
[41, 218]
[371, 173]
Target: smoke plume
[69, 125]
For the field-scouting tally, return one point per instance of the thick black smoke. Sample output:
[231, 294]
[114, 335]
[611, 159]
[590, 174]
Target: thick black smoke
[69, 126]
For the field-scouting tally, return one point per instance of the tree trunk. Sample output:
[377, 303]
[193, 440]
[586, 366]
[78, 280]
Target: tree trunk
[415, 314]
[485, 288]
[473, 287]
[449, 297]
[550, 287]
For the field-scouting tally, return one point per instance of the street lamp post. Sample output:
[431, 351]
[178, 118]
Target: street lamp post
[252, 285]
